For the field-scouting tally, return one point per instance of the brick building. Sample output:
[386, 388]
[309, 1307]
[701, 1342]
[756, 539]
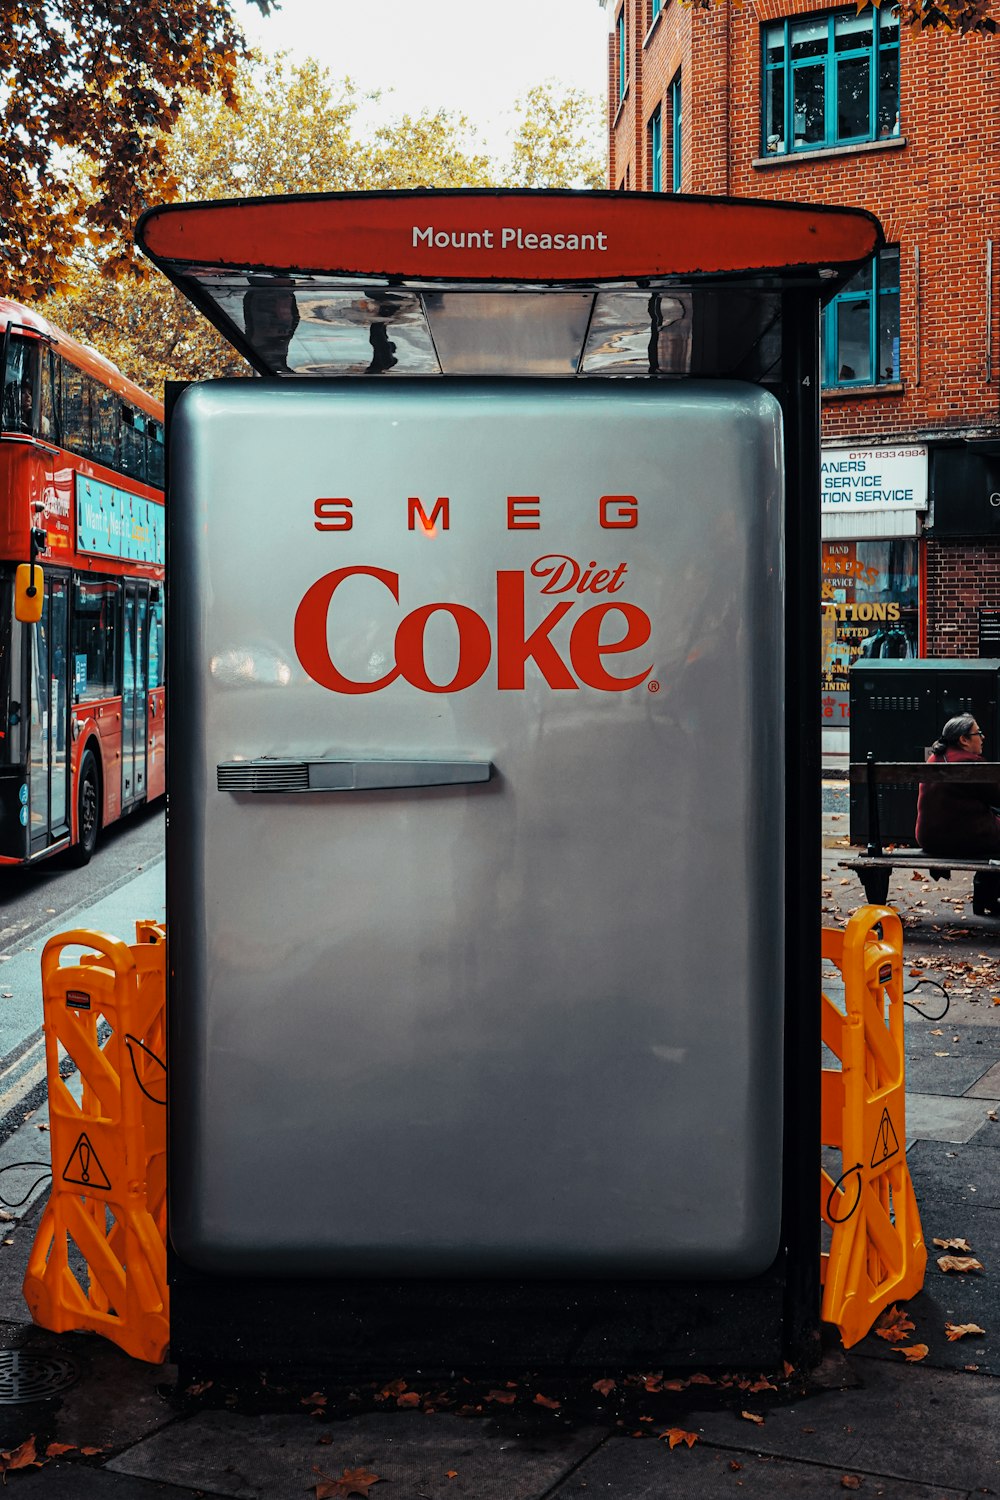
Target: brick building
[794, 99]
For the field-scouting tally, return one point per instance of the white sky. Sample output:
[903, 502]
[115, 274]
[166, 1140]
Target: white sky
[471, 56]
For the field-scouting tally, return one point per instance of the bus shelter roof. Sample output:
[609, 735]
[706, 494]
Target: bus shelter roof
[490, 282]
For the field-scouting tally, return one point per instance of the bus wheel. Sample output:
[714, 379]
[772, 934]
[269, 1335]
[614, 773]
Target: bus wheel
[88, 811]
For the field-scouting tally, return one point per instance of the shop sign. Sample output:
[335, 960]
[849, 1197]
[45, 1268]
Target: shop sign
[866, 479]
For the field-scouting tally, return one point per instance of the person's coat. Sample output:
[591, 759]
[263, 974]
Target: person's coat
[957, 817]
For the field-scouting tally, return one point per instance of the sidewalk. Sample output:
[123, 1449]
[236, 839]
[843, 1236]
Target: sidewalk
[869, 1420]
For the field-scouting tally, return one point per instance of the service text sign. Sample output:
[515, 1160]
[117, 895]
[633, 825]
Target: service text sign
[868, 479]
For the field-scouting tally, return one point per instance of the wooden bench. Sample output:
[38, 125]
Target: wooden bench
[875, 866]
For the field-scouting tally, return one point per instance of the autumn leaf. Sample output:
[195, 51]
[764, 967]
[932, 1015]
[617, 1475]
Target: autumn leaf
[761, 1385]
[541, 1400]
[960, 1263]
[394, 1389]
[894, 1325]
[850, 1481]
[604, 1387]
[700, 1379]
[954, 1244]
[752, 1416]
[676, 1435]
[351, 1482]
[913, 1353]
[957, 1331]
[54, 1450]
[451, 1474]
[506, 1398]
[23, 1457]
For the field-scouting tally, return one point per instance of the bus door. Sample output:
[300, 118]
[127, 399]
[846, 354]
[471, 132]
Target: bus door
[48, 665]
[135, 674]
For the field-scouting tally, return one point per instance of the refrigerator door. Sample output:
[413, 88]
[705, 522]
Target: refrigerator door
[475, 848]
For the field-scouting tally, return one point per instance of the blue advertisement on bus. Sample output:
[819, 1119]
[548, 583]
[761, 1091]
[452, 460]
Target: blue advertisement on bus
[114, 523]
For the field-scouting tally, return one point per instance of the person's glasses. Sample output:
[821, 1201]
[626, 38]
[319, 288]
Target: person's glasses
[978, 732]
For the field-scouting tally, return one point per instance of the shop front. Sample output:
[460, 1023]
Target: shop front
[873, 502]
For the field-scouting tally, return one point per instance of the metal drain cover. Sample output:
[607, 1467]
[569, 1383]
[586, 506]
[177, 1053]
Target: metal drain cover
[25, 1376]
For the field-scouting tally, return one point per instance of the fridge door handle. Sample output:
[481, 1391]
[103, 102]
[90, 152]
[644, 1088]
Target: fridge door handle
[272, 775]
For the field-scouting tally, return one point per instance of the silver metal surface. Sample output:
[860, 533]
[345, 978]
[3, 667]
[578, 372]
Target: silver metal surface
[531, 1026]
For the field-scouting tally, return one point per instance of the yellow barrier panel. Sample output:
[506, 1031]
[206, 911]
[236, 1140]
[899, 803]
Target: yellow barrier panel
[108, 1203]
[877, 1252]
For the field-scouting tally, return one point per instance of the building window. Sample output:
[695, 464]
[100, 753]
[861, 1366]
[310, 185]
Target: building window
[861, 326]
[676, 128]
[655, 6]
[831, 80]
[656, 151]
[622, 73]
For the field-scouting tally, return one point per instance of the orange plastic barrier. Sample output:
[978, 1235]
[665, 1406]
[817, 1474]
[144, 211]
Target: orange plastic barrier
[109, 1194]
[877, 1253]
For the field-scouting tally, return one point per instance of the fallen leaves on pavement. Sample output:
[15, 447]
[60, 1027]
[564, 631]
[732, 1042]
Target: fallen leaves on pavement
[677, 1435]
[23, 1457]
[351, 1482]
[960, 1263]
[894, 1325]
[957, 1331]
[913, 1352]
[953, 1244]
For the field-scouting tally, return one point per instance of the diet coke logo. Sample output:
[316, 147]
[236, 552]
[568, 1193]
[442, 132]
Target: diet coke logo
[584, 661]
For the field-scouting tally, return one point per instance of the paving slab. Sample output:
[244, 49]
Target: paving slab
[114, 1401]
[938, 1117]
[909, 1423]
[75, 1481]
[987, 1087]
[956, 1074]
[277, 1457]
[948, 1174]
[651, 1470]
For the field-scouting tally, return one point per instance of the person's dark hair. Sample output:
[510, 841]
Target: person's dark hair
[952, 732]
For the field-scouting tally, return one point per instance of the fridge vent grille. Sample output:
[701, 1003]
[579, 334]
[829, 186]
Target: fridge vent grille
[247, 777]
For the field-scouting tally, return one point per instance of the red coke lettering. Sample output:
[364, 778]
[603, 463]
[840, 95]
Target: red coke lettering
[515, 644]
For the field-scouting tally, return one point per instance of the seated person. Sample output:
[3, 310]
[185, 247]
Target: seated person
[959, 818]
[953, 817]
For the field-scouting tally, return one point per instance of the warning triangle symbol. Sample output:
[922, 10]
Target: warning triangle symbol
[886, 1140]
[83, 1167]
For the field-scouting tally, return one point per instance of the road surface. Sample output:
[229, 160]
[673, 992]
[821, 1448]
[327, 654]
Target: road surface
[124, 881]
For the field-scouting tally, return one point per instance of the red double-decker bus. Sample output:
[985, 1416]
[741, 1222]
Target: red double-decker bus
[81, 685]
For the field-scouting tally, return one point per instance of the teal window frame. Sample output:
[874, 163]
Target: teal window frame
[863, 320]
[676, 133]
[656, 149]
[654, 10]
[622, 70]
[823, 73]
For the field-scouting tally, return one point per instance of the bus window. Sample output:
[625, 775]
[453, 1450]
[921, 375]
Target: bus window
[154, 452]
[95, 637]
[104, 409]
[9, 736]
[49, 425]
[155, 639]
[133, 442]
[76, 409]
[19, 384]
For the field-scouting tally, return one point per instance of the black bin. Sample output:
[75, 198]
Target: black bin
[897, 711]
